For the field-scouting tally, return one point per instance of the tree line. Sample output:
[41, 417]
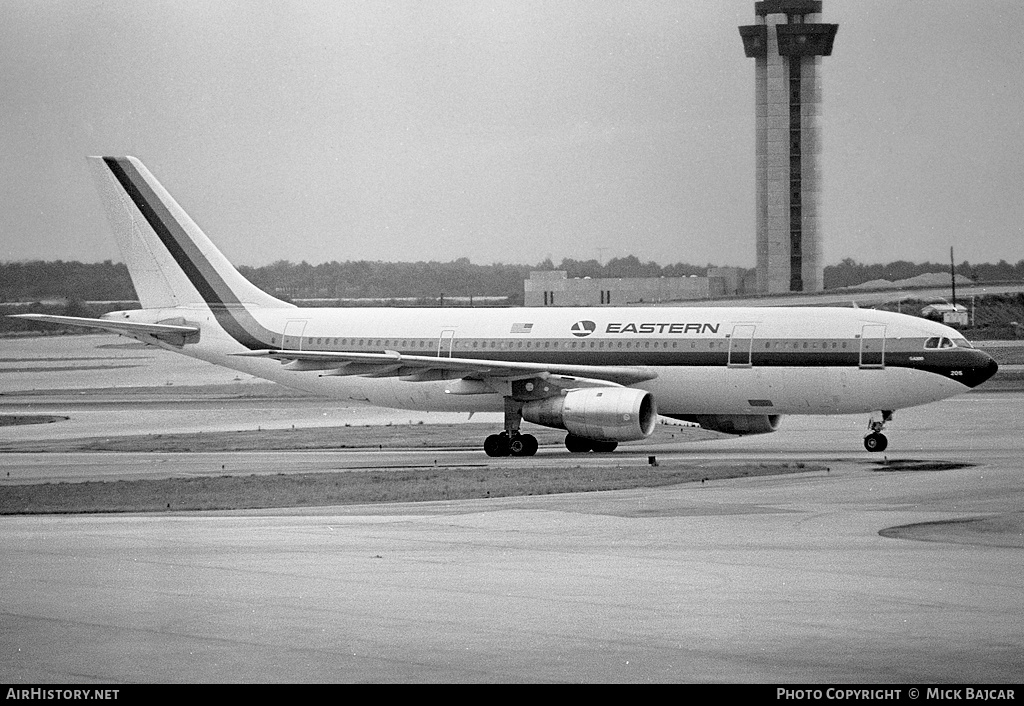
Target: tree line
[108, 281]
[849, 272]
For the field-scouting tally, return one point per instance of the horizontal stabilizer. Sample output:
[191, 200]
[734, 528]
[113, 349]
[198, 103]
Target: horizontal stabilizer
[171, 333]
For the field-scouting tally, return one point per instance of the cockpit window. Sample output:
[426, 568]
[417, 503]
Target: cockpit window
[962, 343]
[937, 342]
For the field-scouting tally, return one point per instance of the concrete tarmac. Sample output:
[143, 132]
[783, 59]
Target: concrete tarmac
[972, 427]
[770, 579]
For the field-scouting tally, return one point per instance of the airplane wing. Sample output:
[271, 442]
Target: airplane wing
[464, 372]
[177, 333]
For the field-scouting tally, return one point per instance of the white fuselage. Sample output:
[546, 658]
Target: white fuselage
[705, 360]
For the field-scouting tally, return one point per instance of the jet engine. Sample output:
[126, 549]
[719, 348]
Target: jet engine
[601, 413]
[738, 424]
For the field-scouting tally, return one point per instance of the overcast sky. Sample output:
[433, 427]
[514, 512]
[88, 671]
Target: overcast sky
[503, 131]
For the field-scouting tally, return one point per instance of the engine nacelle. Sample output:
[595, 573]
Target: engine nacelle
[738, 424]
[600, 413]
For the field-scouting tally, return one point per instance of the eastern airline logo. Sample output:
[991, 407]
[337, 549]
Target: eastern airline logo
[673, 328]
[583, 328]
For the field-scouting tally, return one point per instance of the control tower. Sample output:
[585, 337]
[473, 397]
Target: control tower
[787, 43]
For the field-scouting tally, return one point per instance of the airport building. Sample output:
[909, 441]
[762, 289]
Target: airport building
[555, 288]
[787, 43]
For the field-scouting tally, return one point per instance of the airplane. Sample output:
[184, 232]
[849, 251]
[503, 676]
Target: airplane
[604, 375]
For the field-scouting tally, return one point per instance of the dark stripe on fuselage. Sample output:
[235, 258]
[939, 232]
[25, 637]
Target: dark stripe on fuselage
[229, 311]
[969, 367]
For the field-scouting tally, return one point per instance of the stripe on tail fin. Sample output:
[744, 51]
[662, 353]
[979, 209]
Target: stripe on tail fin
[170, 259]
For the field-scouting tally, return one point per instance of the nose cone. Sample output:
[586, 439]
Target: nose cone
[981, 369]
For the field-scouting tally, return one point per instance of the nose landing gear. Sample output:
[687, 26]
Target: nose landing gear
[875, 440]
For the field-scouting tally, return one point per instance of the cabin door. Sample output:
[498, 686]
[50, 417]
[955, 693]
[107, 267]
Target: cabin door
[292, 339]
[872, 346]
[444, 343]
[740, 344]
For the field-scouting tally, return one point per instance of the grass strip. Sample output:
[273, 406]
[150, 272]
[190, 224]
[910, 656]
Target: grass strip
[346, 488]
[14, 420]
[390, 436]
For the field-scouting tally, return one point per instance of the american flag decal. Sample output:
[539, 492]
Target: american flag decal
[522, 328]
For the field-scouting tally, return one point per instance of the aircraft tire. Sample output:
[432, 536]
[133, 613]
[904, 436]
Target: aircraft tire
[496, 445]
[875, 442]
[516, 446]
[530, 445]
[604, 447]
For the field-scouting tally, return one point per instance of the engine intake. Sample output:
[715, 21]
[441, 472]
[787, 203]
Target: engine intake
[601, 413]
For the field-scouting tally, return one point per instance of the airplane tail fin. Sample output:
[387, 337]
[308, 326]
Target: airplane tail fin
[171, 261]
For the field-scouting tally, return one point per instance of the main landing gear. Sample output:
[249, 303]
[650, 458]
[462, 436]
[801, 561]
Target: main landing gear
[510, 442]
[515, 445]
[875, 440]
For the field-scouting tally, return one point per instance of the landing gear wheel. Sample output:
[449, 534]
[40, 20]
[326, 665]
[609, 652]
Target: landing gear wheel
[604, 447]
[523, 445]
[530, 444]
[496, 445]
[875, 442]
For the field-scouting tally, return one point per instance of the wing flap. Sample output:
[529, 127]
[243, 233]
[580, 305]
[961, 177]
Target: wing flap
[421, 367]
